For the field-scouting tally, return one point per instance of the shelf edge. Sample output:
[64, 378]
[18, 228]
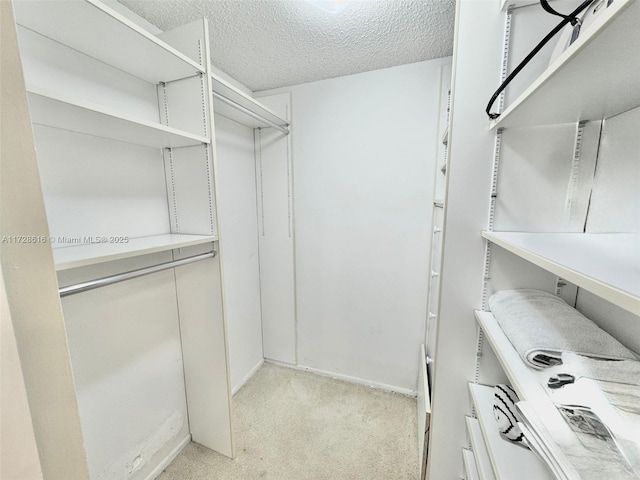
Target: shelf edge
[614, 10]
[120, 255]
[114, 114]
[615, 295]
[145, 34]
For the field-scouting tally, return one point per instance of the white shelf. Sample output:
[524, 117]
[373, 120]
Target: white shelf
[94, 29]
[470, 469]
[225, 89]
[91, 254]
[525, 381]
[480, 453]
[59, 111]
[581, 83]
[508, 460]
[607, 265]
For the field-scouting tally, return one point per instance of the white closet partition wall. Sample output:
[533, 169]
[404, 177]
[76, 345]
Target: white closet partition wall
[19, 449]
[468, 188]
[440, 177]
[274, 178]
[30, 282]
[149, 355]
[239, 221]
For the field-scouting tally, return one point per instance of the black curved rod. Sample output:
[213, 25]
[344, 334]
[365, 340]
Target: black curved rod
[566, 19]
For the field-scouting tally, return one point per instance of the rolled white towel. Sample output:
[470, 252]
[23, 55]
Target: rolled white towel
[541, 326]
[507, 415]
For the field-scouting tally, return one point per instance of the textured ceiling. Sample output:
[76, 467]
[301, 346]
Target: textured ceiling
[273, 43]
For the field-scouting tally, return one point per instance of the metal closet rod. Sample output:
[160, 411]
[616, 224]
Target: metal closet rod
[244, 109]
[120, 277]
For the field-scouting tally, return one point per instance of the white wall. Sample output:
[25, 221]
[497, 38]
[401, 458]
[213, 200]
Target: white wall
[276, 237]
[238, 224]
[127, 364]
[364, 148]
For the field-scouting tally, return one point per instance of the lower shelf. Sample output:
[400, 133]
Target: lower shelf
[566, 447]
[480, 453]
[82, 255]
[470, 468]
[525, 381]
[507, 459]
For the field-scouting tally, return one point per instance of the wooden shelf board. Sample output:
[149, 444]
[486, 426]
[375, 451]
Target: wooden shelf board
[595, 78]
[94, 29]
[91, 254]
[480, 453]
[607, 265]
[508, 460]
[59, 111]
[470, 468]
[221, 87]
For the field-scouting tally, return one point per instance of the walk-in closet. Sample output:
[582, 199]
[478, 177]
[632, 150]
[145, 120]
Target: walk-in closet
[317, 240]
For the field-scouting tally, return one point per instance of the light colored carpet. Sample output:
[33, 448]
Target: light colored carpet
[296, 425]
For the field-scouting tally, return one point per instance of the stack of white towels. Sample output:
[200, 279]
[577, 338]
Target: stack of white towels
[602, 404]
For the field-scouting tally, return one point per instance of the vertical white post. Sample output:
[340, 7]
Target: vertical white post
[200, 288]
[31, 283]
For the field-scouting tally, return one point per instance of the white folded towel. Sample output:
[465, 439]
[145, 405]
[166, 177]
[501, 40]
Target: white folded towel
[541, 326]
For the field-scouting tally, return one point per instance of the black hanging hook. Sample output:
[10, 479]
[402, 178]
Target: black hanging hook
[566, 19]
[572, 17]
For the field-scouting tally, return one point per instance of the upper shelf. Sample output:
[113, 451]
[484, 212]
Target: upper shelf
[81, 255]
[607, 265]
[59, 111]
[596, 77]
[251, 112]
[94, 29]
